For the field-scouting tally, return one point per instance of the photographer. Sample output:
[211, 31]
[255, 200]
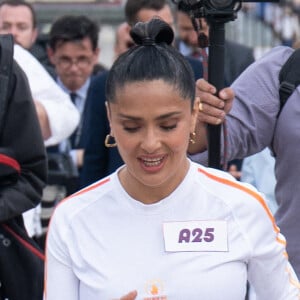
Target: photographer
[253, 124]
[23, 171]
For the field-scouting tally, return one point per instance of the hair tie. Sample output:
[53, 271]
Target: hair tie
[148, 41]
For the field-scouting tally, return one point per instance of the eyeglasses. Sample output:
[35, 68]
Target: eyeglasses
[80, 62]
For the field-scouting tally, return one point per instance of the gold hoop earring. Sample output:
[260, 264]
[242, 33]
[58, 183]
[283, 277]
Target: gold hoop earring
[192, 138]
[110, 141]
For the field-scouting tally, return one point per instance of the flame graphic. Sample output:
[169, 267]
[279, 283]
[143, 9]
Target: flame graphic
[154, 290]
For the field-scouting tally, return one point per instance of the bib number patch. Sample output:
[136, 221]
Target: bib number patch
[195, 236]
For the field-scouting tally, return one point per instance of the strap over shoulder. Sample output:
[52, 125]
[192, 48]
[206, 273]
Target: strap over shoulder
[289, 77]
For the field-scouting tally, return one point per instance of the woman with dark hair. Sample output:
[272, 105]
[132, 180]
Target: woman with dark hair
[162, 226]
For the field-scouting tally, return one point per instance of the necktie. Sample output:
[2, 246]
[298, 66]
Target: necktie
[74, 134]
[204, 57]
[73, 97]
[196, 54]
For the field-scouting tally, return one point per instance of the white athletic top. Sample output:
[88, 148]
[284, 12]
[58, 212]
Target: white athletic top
[201, 242]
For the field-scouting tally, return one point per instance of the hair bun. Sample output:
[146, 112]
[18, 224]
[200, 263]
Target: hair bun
[155, 31]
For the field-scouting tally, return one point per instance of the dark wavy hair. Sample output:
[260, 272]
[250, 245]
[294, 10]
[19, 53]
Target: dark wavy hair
[153, 58]
[71, 28]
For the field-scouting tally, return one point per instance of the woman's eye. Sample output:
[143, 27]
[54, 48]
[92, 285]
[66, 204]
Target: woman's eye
[168, 127]
[131, 129]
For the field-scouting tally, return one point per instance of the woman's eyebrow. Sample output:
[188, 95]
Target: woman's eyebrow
[161, 117]
[169, 115]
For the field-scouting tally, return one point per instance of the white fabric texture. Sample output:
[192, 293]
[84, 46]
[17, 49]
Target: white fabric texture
[102, 244]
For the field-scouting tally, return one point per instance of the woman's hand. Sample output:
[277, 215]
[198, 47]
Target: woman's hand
[130, 296]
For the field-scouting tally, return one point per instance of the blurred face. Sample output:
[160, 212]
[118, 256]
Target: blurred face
[186, 29]
[18, 21]
[165, 14]
[74, 62]
[123, 39]
[152, 124]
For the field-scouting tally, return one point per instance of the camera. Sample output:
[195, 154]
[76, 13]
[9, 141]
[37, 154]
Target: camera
[213, 10]
[216, 14]
[218, 10]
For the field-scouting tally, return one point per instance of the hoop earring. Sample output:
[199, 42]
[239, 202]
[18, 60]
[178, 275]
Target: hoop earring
[192, 138]
[110, 141]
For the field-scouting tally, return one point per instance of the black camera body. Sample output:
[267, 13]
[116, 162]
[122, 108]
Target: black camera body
[213, 10]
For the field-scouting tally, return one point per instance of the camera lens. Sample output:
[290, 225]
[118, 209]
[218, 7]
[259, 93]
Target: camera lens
[222, 4]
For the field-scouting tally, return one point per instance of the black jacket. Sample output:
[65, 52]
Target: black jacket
[21, 140]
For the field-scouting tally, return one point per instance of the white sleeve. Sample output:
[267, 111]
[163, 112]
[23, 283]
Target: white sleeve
[62, 114]
[269, 271]
[60, 280]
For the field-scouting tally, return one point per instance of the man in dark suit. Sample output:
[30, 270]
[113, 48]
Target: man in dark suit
[100, 161]
[73, 50]
[237, 56]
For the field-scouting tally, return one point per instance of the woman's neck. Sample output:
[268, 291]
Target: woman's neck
[149, 194]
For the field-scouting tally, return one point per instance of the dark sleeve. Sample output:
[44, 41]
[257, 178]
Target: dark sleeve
[99, 161]
[22, 138]
[196, 66]
[246, 58]
[237, 58]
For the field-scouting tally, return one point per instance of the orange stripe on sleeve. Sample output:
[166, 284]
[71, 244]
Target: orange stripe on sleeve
[87, 189]
[246, 190]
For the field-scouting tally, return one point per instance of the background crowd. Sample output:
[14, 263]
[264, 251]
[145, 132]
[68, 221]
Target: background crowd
[70, 55]
[67, 73]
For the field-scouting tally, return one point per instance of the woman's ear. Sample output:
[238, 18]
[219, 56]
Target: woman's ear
[108, 111]
[195, 111]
